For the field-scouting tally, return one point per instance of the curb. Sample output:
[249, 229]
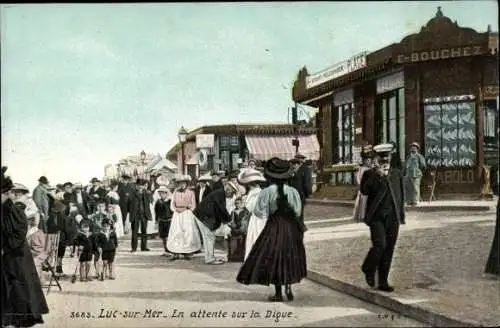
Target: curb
[414, 312]
[430, 208]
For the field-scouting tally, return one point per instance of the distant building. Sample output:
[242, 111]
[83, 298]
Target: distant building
[135, 167]
[228, 147]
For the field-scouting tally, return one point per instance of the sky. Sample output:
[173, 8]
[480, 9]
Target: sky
[84, 85]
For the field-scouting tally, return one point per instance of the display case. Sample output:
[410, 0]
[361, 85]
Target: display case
[450, 135]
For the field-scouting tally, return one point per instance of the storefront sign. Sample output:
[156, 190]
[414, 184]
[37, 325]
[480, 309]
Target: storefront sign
[337, 70]
[439, 54]
[391, 82]
[204, 140]
[490, 91]
[456, 177]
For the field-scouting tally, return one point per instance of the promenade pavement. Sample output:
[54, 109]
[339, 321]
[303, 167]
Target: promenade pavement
[154, 292]
[437, 268]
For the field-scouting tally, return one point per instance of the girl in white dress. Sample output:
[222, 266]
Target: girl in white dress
[114, 202]
[251, 179]
[183, 237]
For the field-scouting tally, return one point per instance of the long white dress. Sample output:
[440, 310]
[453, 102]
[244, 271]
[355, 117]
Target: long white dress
[256, 224]
[115, 201]
[183, 237]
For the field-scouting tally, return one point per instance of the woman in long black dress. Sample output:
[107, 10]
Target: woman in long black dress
[23, 302]
[278, 256]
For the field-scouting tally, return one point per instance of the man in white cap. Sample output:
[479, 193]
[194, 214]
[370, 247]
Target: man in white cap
[210, 214]
[383, 186]
[202, 188]
[415, 165]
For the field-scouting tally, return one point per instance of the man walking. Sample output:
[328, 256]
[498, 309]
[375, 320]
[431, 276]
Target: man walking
[383, 185]
[210, 214]
[140, 214]
[41, 199]
[415, 165]
[125, 189]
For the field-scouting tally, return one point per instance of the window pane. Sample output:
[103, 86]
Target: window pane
[432, 130]
[466, 142]
[384, 120]
[340, 134]
[401, 100]
[234, 141]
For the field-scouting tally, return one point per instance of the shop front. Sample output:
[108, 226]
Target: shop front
[438, 87]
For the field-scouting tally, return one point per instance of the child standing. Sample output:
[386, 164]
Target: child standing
[107, 243]
[238, 226]
[97, 219]
[164, 215]
[36, 241]
[85, 249]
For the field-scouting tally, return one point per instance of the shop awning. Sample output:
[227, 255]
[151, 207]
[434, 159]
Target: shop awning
[265, 147]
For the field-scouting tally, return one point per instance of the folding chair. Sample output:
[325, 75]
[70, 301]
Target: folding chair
[53, 246]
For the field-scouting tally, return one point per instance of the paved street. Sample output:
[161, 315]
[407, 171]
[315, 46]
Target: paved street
[438, 262]
[148, 282]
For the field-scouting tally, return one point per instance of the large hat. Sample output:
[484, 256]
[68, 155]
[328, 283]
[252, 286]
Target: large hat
[30, 212]
[250, 175]
[278, 168]
[383, 148]
[183, 178]
[20, 187]
[163, 189]
[67, 184]
[205, 177]
[162, 180]
[43, 180]
[78, 185]
[95, 180]
[415, 144]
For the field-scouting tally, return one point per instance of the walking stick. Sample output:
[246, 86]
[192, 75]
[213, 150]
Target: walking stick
[73, 277]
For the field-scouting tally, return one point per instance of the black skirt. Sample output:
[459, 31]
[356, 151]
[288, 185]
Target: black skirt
[278, 256]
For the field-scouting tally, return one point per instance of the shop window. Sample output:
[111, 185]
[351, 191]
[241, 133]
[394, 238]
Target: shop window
[234, 141]
[346, 132]
[234, 161]
[490, 131]
[390, 119]
[224, 141]
[450, 133]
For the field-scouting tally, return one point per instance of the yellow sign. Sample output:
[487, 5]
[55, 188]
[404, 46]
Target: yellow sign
[456, 177]
[439, 54]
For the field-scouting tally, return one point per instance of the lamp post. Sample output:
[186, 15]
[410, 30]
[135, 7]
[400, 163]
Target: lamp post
[182, 134]
[142, 156]
[295, 141]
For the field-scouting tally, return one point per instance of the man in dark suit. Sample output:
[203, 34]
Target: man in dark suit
[301, 180]
[216, 181]
[140, 214]
[202, 188]
[125, 189]
[210, 214]
[384, 213]
[96, 193]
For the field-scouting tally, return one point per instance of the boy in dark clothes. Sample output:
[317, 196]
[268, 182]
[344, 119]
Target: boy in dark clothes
[239, 224]
[85, 249]
[107, 242]
[164, 215]
[97, 219]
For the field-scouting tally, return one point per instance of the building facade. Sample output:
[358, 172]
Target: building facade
[438, 87]
[235, 145]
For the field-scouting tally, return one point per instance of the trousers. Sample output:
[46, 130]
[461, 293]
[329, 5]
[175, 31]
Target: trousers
[208, 237]
[384, 233]
[142, 224]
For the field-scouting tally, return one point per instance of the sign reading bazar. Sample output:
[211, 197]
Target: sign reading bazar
[337, 70]
[439, 54]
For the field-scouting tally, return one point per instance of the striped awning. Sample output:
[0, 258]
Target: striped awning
[265, 147]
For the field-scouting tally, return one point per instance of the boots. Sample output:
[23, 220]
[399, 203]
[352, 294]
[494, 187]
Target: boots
[277, 297]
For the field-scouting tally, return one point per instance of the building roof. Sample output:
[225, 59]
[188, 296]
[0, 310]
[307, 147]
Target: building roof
[245, 129]
[438, 30]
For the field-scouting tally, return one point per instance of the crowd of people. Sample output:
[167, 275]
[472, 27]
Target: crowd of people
[255, 209]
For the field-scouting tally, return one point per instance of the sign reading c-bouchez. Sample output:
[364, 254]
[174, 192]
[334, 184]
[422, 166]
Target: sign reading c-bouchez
[439, 54]
[347, 66]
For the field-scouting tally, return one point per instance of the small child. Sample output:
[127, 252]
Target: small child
[112, 216]
[36, 241]
[107, 243]
[164, 215]
[97, 219]
[84, 241]
[238, 226]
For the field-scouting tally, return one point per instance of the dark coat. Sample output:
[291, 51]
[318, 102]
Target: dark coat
[125, 190]
[163, 212]
[373, 186]
[302, 181]
[21, 287]
[217, 185]
[134, 200]
[212, 210]
[197, 193]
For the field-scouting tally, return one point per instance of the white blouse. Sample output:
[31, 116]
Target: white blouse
[266, 203]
